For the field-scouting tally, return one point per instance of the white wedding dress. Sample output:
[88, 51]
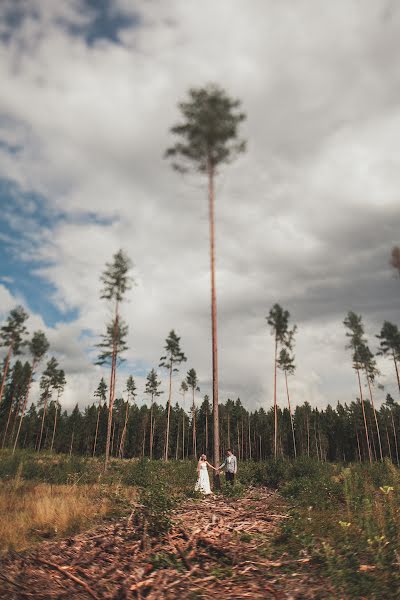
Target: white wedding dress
[203, 482]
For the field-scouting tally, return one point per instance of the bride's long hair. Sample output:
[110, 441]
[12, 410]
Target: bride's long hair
[203, 457]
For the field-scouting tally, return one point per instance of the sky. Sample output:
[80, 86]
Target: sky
[306, 217]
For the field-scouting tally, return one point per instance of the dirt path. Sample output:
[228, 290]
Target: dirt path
[218, 548]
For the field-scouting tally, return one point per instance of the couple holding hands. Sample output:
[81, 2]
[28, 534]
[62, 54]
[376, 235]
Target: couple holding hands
[203, 480]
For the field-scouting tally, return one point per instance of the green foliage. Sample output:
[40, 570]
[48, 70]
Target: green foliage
[208, 134]
[116, 280]
[12, 333]
[156, 505]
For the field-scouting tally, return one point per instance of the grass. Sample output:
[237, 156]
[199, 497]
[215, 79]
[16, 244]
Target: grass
[38, 511]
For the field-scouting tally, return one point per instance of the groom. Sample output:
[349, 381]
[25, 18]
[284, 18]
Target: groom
[230, 464]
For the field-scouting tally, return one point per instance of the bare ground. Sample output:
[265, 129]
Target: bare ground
[217, 548]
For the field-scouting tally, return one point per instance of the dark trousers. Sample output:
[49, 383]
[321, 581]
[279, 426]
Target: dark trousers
[230, 477]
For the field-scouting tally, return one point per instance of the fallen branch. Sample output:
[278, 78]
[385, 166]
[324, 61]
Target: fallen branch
[63, 570]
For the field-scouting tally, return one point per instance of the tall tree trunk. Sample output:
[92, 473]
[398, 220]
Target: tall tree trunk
[168, 415]
[388, 442]
[8, 420]
[229, 430]
[250, 453]
[308, 435]
[211, 202]
[54, 427]
[194, 432]
[123, 435]
[151, 430]
[177, 441]
[28, 388]
[291, 416]
[72, 442]
[358, 442]
[395, 439]
[43, 418]
[364, 416]
[375, 415]
[183, 428]
[5, 371]
[112, 385]
[206, 440]
[397, 370]
[275, 404]
[97, 430]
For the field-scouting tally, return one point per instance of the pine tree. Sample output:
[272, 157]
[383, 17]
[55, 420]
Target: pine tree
[173, 356]
[286, 364]
[183, 389]
[193, 382]
[131, 391]
[354, 324]
[278, 319]
[116, 282]
[59, 385]
[390, 344]
[38, 347]
[151, 389]
[12, 336]
[101, 394]
[47, 383]
[208, 138]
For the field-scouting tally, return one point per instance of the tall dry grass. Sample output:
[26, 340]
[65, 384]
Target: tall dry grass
[31, 512]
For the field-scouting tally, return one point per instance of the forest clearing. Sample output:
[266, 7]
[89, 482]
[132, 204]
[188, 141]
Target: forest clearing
[288, 530]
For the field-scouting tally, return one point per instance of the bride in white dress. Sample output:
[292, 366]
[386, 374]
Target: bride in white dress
[203, 480]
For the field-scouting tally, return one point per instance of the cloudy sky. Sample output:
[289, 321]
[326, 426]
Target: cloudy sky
[307, 217]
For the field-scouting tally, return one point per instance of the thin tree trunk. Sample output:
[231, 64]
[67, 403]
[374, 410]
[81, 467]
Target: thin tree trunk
[275, 404]
[395, 439]
[250, 453]
[72, 442]
[388, 443]
[229, 430]
[151, 430]
[123, 435]
[206, 440]
[183, 428]
[5, 371]
[397, 370]
[211, 201]
[168, 415]
[364, 416]
[308, 436]
[97, 430]
[194, 432]
[112, 385]
[8, 421]
[177, 442]
[291, 416]
[28, 387]
[375, 415]
[54, 427]
[43, 418]
[358, 442]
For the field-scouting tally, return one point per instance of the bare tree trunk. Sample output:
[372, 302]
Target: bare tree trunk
[43, 418]
[395, 439]
[206, 440]
[54, 427]
[375, 415]
[388, 443]
[194, 432]
[211, 200]
[28, 387]
[8, 421]
[97, 430]
[308, 436]
[112, 386]
[123, 435]
[177, 442]
[151, 430]
[291, 416]
[397, 370]
[275, 404]
[250, 453]
[72, 442]
[5, 371]
[168, 415]
[358, 442]
[183, 428]
[364, 416]
[229, 430]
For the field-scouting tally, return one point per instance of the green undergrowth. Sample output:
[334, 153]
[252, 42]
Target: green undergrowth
[346, 519]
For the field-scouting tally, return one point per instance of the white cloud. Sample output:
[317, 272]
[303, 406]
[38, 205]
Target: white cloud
[307, 217]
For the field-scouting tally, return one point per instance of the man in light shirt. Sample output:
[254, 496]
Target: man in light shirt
[230, 464]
